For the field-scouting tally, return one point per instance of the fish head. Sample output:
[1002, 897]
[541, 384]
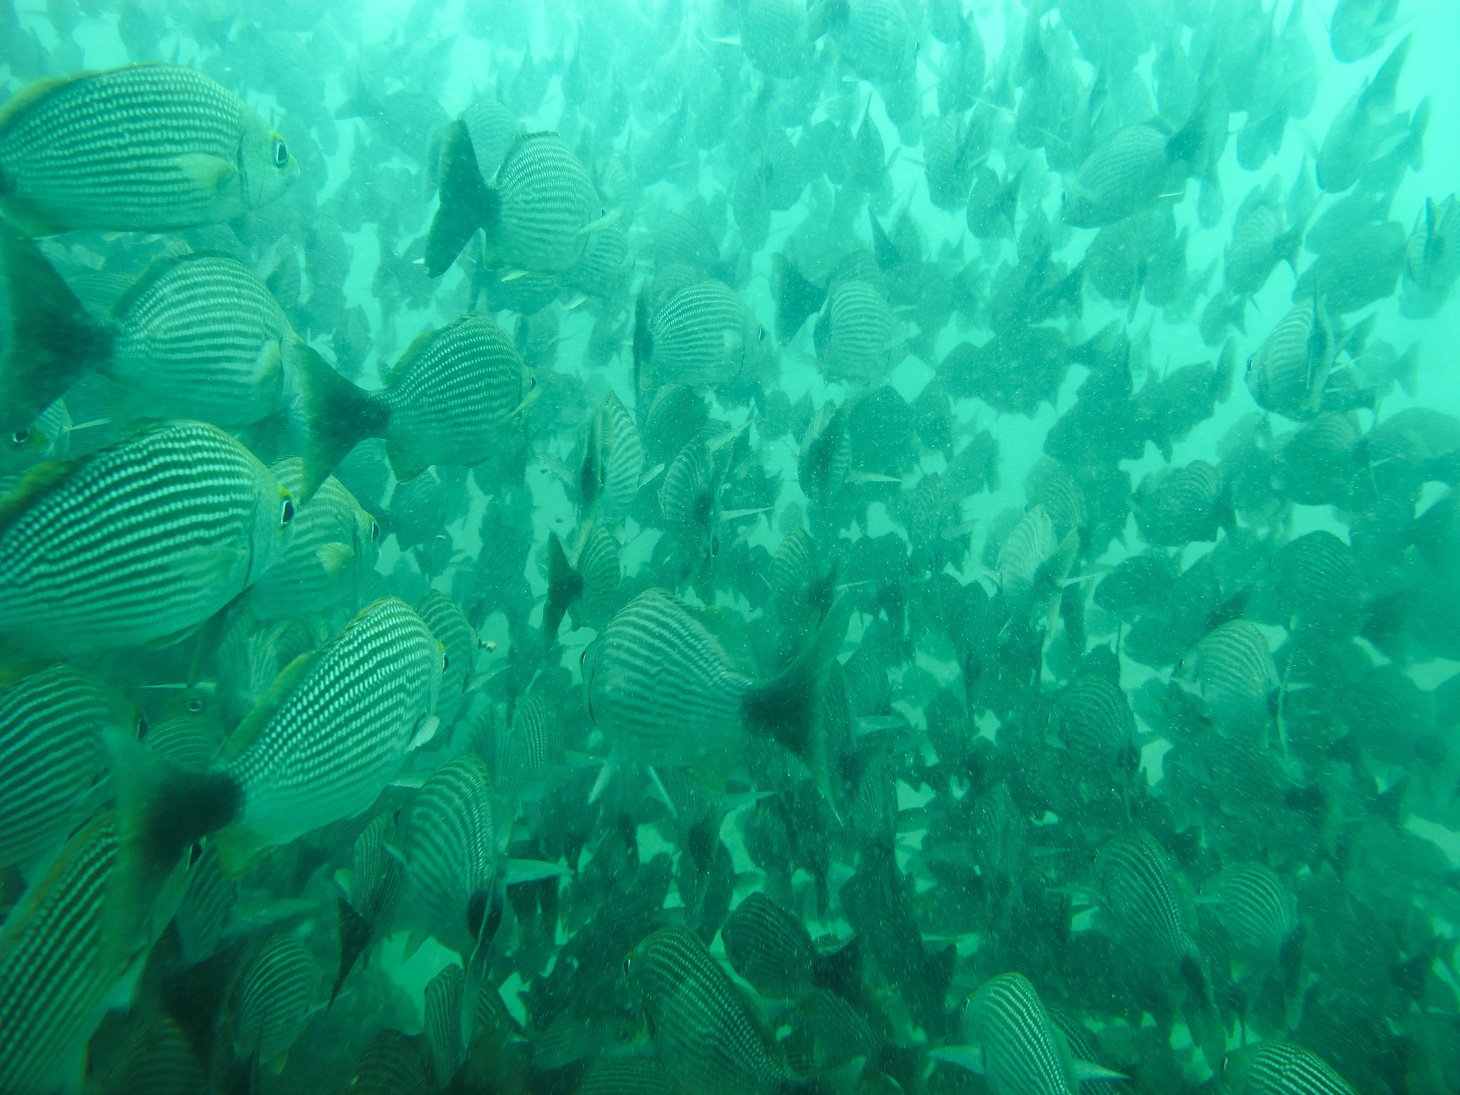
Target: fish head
[266, 166]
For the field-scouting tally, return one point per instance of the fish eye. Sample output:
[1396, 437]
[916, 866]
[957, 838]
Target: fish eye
[374, 532]
[195, 706]
[628, 964]
[286, 512]
[281, 152]
[20, 437]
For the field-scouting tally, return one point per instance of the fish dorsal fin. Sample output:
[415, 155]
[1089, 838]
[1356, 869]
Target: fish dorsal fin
[33, 93]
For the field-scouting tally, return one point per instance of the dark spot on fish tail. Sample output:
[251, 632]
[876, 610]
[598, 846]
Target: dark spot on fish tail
[186, 807]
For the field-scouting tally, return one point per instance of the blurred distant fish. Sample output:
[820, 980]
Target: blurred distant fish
[1288, 372]
[858, 338]
[1018, 1048]
[702, 333]
[704, 1030]
[142, 148]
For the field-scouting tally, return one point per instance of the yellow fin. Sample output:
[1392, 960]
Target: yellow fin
[209, 173]
[335, 557]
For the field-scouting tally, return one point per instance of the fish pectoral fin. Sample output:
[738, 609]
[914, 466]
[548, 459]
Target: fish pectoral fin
[967, 1057]
[1088, 1072]
[424, 732]
[336, 557]
[211, 174]
[515, 872]
[240, 849]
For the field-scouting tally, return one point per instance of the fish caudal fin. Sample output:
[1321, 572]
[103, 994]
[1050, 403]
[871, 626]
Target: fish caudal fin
[338, 416]
[52, 341]
[787, 707]
[467, 203]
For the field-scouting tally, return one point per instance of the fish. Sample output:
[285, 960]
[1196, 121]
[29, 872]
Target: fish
[334, 540]
[140, 148]
[770, 948]
[451, 398]
[371, 690]
[274, 997]
[664, 691]
[1288, 373]
[71, 940]
[162, 530]
[700, 334]
[52, 764]
[704, 1031]
[858, 339]
[196, 336]
[1278, 1068]
[1022, 1051]
[538, 210]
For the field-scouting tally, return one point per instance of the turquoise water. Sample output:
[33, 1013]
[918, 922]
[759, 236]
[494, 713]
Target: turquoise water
[1051, 610]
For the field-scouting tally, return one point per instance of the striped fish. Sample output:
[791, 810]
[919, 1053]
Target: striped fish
[857, 337]
[1022, 1052]
[1318, 581]
[687, 495]
[825, 457]
[1032, 562]
[392, 1064]
[205, 907]
[369, 900]
[62, 950]
[613, 463]
[443, 1023]
[700, 334]
[142, 148]
[334, 729]
[159, 1060]
[1234, 671]
[705, 1032]
[1094, 720]
[1176, 506]
[1128, 171]
[274, 998]
[200, 336]
[459, 639]
[1146, 915]
[453, 846]
[1257, 909]
[196, 336]
[1141, 903]
[139, 542]
[51, 763]
[1290, 369]
[333, 540]
[770, 948]
[586, 591]
[1281, 1068]
[448, 400]
[538, 212]
[663, 690]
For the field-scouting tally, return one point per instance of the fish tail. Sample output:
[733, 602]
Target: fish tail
[565, 585]
[787, 707]
[53, 341]
[338, 415]
[163, 809]
[467, 202]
